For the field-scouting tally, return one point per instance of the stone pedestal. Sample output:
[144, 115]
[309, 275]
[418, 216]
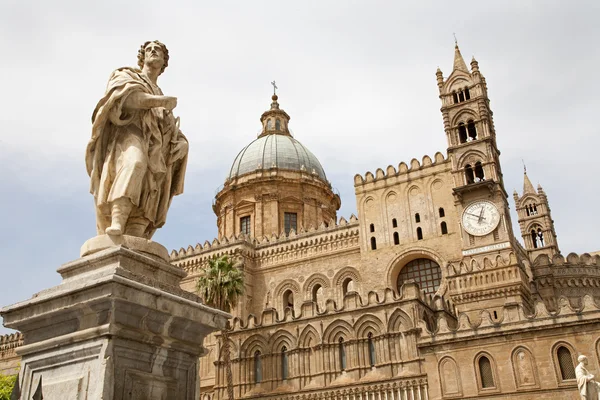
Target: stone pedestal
[117, 327]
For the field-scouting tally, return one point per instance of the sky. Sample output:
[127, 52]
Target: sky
[356, 77]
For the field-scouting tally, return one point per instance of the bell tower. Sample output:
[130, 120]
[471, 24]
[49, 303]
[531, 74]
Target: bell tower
[535, 220]
[479, 196]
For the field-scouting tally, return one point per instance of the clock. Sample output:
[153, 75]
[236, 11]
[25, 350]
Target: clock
[480, 218]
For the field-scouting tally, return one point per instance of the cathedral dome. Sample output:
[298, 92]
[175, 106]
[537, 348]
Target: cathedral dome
[276, 151]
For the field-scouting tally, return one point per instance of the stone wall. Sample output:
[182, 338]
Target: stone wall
[9, 360]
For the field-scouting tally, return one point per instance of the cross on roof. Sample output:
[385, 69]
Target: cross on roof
[274, 87]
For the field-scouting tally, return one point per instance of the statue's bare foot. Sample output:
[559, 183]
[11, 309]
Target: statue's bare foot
[114, 230]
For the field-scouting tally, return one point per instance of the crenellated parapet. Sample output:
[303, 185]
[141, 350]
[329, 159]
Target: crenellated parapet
[9, 360]
[352, 301]
[269, 251]
[404, 172]
[571, 277]
[509, 320]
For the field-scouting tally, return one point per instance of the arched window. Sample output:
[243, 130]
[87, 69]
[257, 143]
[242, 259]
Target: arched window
[472, 132]
[419, 233]
[347, 286]
[371, 349]
[444, 228]
[540, 235]
[257, 367]
[425, 272]
[479, 175]
[373, 243]
[394, 223]
[462, 133]
[467, 94]
[485, 373]
[442, 212]
[527, 210]
[372, 228]
[469, 175]
[534, 209]
[269, 124]
[316, 292]
[284, 363]
[565, 363]
[455, 97]
[417, 218]
[288, 299]
[277, 124]
[342, 354]
[461, 96]
[534, 239]
[396, 238]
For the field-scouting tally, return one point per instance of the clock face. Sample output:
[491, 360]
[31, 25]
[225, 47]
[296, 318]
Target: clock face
[480, 218]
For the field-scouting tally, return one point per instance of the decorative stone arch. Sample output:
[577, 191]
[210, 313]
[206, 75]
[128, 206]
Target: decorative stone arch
[478, 373]
[556, 362]
[282, 338]
[389, 192]
[471, 157]
[343, 274]
[397, 263]
[449, 377]
[368, 323]
[524, 368]
[410, 189]
[457, 80]
[433, 182]
[463, 116]
[283, 287]
[233, 350]
[309, 332]
[314, 280]
[338, 329]
[366, 200]
[399, 321]
[253, 343]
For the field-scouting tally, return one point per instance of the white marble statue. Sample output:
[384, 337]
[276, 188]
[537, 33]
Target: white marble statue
[137, 155]
[589, 389]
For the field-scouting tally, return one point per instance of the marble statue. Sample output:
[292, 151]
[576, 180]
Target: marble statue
[589, 389]
[137, 155]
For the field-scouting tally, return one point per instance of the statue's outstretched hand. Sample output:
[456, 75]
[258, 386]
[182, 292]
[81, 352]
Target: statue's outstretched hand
[169, 102]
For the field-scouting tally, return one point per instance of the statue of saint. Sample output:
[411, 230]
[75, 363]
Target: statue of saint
[137, 155]
[589, 389]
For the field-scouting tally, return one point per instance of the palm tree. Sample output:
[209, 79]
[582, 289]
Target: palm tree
[220, 286]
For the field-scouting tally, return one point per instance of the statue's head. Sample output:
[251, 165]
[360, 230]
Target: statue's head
[582, 359]
[153, 52]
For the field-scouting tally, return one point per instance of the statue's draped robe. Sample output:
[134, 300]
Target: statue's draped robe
[588, 389]
[152, 136]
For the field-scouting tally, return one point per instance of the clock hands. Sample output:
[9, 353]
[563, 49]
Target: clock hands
[480, 216]
[476, 216]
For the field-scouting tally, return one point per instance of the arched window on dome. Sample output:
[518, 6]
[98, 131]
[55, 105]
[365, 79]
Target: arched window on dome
[269, 124]
[277, 124]
[425, 272]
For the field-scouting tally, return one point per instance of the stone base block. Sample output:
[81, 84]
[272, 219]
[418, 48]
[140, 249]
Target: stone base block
[117, 327]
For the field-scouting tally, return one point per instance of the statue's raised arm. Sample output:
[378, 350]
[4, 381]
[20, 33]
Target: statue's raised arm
[137, 155]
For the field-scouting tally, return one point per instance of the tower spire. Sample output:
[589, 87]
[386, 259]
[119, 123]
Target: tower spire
[459, 62]
[527, 186]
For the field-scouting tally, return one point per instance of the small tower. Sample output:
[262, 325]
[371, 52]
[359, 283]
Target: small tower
[535, 220]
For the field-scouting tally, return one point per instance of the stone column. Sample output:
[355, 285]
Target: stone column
[117, 327]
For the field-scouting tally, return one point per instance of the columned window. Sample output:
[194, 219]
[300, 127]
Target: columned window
[257, 367]
[284, 363]
[342, 354]
[371, 349]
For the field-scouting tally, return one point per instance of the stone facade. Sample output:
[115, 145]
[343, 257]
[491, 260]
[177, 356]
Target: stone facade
[426, 295]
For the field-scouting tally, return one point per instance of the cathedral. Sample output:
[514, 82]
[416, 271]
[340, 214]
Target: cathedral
[427, 294]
